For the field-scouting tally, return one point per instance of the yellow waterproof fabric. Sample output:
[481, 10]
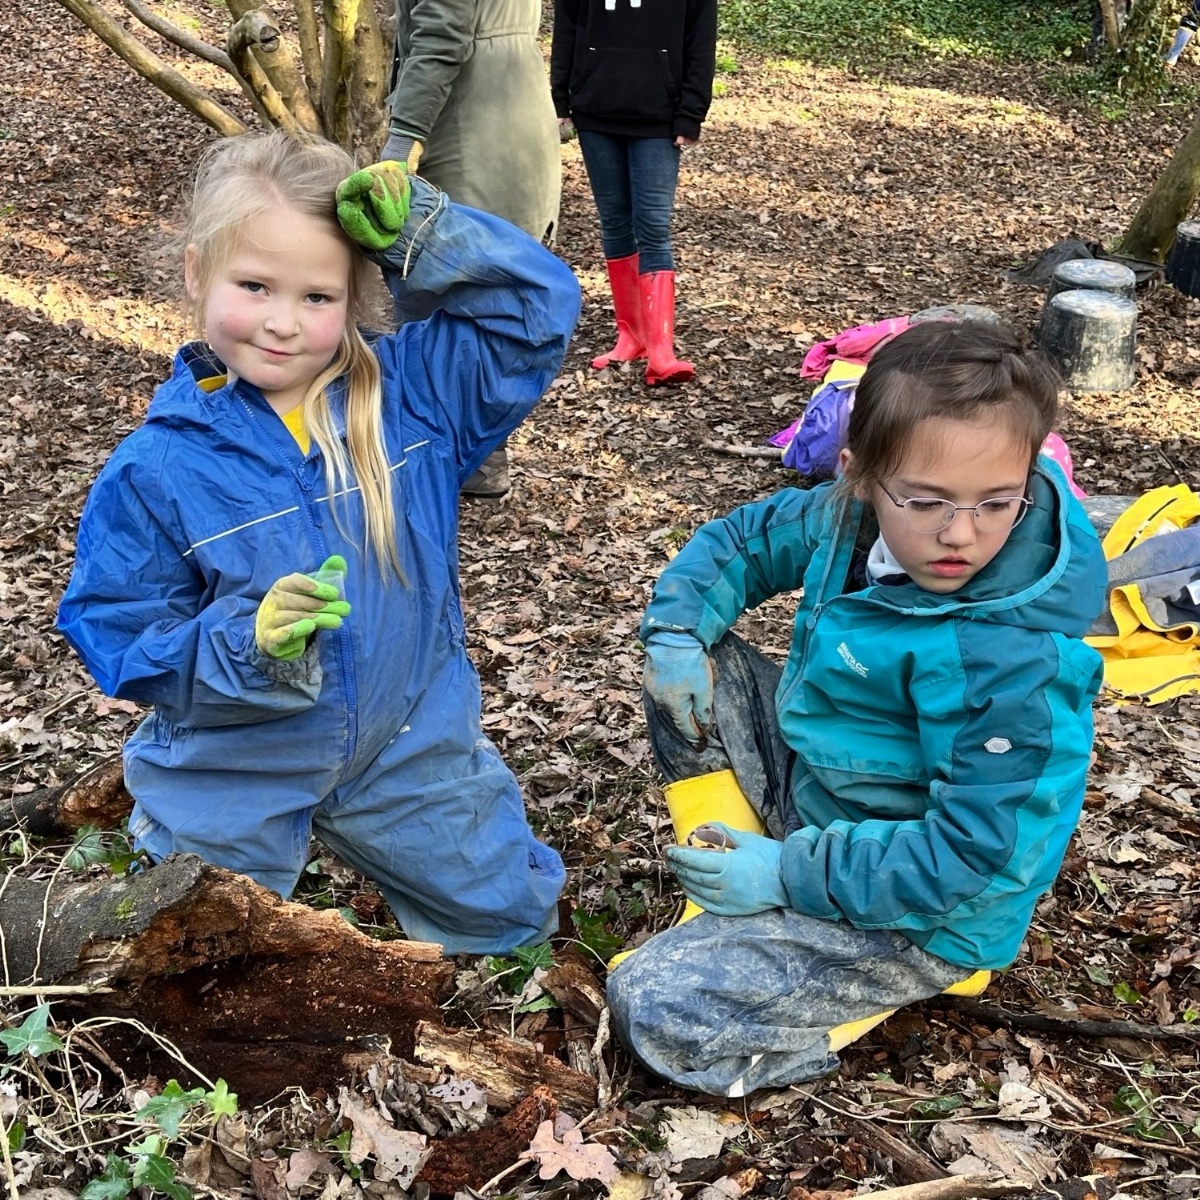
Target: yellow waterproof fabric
[1144, 660]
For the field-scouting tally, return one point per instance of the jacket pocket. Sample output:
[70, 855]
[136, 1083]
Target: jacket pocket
[625, 83]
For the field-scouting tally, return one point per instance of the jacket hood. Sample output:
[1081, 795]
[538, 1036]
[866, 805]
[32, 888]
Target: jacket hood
[197, 396]
[1051, 574]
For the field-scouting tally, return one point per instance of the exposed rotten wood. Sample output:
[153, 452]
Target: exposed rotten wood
[504, 1067]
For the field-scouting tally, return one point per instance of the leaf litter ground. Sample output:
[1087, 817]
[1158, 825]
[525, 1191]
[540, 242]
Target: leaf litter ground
[817, 200]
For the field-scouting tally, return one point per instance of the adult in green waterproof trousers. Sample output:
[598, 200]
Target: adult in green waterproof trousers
[635, 81]
[471, 113]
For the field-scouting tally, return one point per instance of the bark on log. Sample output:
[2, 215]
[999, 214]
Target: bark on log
[469, 1160]
[96, 797]
[504, 1067]
[258, 990]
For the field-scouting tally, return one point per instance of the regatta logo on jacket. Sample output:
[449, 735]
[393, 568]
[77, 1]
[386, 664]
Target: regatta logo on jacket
[850, 661]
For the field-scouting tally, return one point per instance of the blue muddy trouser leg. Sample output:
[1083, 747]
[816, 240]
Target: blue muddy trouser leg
[447, 840]
[727, 1005]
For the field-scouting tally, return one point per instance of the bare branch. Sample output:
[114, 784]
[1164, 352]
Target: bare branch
[150, 66]
[310, 48]
[255, 31]
[178, 37]
[266, 99]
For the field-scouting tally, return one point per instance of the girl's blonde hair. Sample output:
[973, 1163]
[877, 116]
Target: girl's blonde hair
[255, 175]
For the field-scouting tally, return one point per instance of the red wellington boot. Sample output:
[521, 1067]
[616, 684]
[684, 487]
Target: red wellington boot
[658, 328]
[627, 305]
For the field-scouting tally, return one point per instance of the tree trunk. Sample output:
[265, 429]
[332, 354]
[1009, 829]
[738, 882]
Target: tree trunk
[1112, 33]
[149, 65]
[1169, 201]
[260, 991]
[275, 59]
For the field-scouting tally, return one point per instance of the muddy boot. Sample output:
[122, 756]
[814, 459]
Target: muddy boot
[491, 481]
[627, 308]
[658, 328]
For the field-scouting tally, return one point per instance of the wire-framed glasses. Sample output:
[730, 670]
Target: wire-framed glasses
[928, 514]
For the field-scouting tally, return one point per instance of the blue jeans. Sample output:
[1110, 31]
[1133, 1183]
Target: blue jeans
[633, 182]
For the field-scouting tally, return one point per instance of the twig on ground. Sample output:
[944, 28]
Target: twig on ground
[57, 989]
[995, 1015]
[958, 1187]
[10, 1172]
[1173, 808]
[739, 450]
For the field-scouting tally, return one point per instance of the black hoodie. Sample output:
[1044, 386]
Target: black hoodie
[643, 71]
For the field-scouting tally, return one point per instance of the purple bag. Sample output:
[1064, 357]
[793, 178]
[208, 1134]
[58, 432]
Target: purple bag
[813, 450]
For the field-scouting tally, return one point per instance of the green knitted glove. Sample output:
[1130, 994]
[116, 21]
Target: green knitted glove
[372, 205]
[295, 608]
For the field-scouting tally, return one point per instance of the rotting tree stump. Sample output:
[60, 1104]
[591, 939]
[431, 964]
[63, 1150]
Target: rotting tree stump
[260, 991]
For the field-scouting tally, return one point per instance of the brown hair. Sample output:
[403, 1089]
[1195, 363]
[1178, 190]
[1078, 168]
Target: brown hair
[961, 370]
[244, 177]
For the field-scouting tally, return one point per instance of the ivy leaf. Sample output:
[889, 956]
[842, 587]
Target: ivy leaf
[594, 936]
[112, 1184]
[158, 1173]
[1127, 993]
[170, 1107]
[539, 1005]
[31, 1036]
[533, 957]
[16, 1137]
[221, 1101]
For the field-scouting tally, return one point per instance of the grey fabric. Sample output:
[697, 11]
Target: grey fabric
[745, 735]
[726, 1005]
[470, 83]
[1162, 567]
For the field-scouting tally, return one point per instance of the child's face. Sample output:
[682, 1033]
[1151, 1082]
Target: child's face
[964, 462]
[275, 312]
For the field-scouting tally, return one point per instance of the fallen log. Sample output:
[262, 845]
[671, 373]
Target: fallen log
[504, 1067]
[262, 992]
[96, 797]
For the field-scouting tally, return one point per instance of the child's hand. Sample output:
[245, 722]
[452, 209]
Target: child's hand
[678, 676]
[732, 883]
[294, 609]
[372, 204]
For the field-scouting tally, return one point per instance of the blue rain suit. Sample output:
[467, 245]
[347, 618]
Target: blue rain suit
[372, 738]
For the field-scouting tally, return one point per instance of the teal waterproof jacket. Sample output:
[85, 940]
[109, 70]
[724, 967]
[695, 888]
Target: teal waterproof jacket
[942, 741]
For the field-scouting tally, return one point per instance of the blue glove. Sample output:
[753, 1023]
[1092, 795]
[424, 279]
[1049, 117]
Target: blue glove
[732, 883]
[678, 675]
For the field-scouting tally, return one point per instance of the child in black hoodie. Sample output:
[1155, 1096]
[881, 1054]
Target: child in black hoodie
[635, 80]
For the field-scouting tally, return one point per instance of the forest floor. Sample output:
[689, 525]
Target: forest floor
[817, 200]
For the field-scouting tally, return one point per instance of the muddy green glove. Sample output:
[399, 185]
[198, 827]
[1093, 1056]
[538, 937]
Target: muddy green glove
[372, 204]
[294, 609]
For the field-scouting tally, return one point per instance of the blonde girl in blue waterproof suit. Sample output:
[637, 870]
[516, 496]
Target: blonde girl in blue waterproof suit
[286, 443]
[920, 762]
